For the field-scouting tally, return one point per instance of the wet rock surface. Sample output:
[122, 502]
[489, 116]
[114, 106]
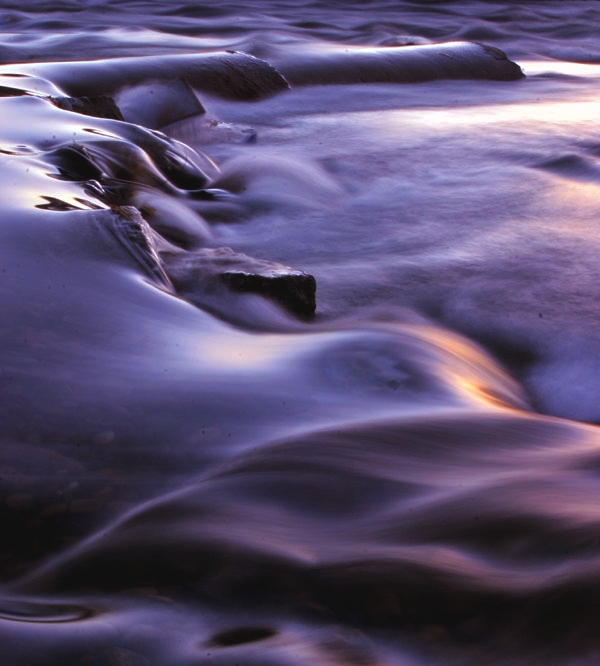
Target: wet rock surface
[195, 273]
[402, 64]
[97, 106]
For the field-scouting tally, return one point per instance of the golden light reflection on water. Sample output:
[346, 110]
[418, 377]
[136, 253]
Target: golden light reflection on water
[468, 373]
[249, 353]
[582, 197]
[472, 373]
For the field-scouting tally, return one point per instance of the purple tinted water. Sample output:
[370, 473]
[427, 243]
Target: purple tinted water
[190, 477]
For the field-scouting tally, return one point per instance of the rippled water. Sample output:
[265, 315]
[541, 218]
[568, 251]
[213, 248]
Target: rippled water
[190, 472]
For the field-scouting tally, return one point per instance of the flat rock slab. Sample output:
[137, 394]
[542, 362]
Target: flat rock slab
[193, 273]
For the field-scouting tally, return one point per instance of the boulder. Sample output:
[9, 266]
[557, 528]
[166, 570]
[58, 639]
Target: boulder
[400, 64]
[193, 274]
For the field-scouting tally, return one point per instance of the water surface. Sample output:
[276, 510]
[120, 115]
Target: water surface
[410, 476]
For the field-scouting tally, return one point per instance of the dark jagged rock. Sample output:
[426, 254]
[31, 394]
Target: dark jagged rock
[97, 106]
[294, 290]
[402, 64]
[194, 273]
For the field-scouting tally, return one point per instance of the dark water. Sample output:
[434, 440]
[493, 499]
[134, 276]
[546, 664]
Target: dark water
[192, 475]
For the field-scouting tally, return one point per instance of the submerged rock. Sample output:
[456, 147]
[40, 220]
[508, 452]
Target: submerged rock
[74, 162]
[133, 232]
[97, 106]
[138, 158]
[172, 219]
[185, 168]
[193, 274]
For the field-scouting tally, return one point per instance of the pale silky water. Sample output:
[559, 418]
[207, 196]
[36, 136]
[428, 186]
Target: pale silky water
[410, 477]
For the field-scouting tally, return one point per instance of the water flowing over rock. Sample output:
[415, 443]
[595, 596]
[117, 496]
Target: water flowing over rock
[199, 462]
[403, 64]
[155, 105]
[231, 75]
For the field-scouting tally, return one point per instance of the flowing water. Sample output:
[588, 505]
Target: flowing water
[196, 476]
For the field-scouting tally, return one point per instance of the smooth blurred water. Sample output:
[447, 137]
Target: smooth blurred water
[411, 477]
